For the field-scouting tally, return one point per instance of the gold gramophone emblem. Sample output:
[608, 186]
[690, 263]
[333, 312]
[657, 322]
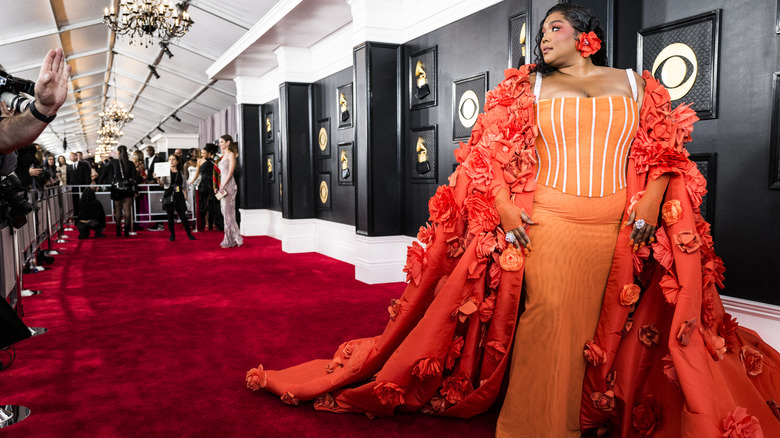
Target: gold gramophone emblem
[267, 124]
[422, 77]
[422, 151]
[344, 164]
[423, 166]
[270, 166]
[343, 107]
[522, 39]
[423, 90]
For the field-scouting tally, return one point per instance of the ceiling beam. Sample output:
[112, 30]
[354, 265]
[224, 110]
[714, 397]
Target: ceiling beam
[53, 13]
[229, 18]
[50, 32]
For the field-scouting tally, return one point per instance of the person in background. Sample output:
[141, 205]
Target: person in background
[51, 171]
[151, 159]
[28, 168]
[141, 207]
[209, 215]
[175, 190]
[227, 191]
[91, 215]
[62, 170]
[123, 190]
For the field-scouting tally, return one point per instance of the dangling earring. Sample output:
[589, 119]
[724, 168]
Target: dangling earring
[588, 44]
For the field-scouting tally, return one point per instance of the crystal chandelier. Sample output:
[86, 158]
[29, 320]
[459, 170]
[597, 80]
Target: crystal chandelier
[148, 19]
[116, 114]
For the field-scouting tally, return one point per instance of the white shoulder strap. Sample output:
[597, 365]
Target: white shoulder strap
[632, 81]
[538, 85]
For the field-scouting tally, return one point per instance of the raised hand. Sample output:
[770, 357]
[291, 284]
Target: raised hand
[51, 88]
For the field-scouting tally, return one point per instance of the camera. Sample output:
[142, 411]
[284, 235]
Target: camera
[15, 91]
[14, 205]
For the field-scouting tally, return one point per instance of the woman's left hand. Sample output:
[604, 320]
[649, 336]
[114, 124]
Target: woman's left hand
[643, 227]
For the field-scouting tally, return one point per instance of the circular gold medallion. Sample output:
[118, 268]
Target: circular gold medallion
[679, 66]
[323, 138]
[323, 192]
[468, 109]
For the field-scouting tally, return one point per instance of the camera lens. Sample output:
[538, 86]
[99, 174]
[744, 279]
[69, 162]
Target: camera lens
[15, 102]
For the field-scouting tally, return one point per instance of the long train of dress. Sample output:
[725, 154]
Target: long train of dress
[665, 358]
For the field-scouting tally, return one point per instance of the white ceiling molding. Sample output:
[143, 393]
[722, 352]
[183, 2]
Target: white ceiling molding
[279, 11]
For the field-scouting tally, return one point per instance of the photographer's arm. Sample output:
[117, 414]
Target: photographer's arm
[51, 89]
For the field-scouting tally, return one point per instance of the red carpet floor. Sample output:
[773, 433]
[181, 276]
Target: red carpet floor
[153, 338]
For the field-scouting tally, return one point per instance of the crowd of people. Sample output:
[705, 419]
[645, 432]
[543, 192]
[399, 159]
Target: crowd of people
[210, 173]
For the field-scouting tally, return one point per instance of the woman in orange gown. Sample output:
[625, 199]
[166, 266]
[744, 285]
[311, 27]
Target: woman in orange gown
[620, 331]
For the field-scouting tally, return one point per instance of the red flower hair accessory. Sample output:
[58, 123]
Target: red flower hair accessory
[588, 44]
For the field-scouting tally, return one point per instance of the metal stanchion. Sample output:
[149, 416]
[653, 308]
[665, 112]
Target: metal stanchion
[69, 227]
[34, 268]
[60, 234]
[47, 199]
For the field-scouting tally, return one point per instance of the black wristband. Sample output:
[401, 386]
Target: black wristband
[38, 115]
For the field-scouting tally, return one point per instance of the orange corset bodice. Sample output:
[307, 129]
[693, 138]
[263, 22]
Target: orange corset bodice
[583, 143]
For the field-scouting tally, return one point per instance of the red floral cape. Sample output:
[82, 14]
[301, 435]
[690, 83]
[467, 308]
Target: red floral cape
[444, 350]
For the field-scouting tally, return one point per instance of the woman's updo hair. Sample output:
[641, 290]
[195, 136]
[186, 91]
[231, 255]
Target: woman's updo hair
[581, 19]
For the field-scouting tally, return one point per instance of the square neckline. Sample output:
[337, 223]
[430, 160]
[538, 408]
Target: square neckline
[631, 81]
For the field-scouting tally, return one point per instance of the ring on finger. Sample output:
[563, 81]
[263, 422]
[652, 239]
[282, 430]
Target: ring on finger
[639, 224]
[510, 237]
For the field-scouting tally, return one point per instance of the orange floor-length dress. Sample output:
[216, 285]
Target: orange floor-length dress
[578, 205]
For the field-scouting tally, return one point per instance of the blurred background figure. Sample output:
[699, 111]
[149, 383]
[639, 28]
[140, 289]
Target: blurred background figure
[123, 191]
[91, 215]
[175, 196]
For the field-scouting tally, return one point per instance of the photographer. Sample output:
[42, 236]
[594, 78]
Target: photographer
[22, 128]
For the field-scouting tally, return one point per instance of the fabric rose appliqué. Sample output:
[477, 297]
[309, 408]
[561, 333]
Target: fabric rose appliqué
[256, 378]
[687, 241]
[588, 44]
[428, 367]
[288, 398]
[629, 295]
[512, 259]
[646, 416]
[603, 401]
[594, 354]
[389, 393]
[671, 212]
[394, 309]
[649, 335]
[752, 359]
[456, 387]
[738, 424]
[415, 261]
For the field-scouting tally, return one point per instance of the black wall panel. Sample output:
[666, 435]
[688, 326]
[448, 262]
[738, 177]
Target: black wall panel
[325, 105]
[472, 45]
[746, 232]
[378, 104]
[271, 197]
[297, 166]
[249, 178]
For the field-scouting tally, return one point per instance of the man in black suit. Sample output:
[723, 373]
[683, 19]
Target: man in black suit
[79, 174]
[151, 158]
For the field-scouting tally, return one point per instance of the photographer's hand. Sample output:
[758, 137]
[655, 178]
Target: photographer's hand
[51, 89]
[50, 93]
[4, 111]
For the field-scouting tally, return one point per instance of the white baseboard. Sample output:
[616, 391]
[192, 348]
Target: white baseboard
[381, 260]
[376, 259]
[763, 318]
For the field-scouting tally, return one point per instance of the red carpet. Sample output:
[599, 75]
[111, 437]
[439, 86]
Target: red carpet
[153, 338]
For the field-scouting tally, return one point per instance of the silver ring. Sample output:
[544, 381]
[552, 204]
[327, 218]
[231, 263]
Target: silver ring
[510, 237]
[639, 224]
